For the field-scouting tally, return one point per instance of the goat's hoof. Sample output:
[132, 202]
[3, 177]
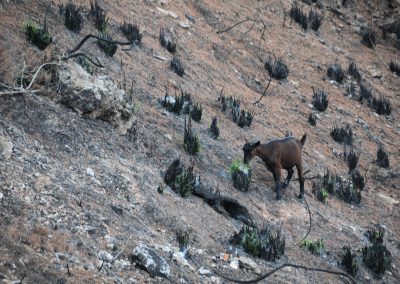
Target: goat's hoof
[301, 195]
[279, 197]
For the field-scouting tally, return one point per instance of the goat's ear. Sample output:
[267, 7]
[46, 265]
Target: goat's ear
[257, 144]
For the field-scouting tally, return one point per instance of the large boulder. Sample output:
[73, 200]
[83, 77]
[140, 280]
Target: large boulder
[151, 261]
[95, 97]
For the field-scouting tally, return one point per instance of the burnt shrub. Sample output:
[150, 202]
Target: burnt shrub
[349, 262]
[394, 67]
[314, 20]
[214, 129]
[297, 14]
[183, 238]
[351, 90]
[347, 191]
[131, 32]
[352, 159]
[182, 180]
[73, 18]
[241, 175]
[109, 48]
[365, 92]
[382, 158]
[267, 243]
[375, 235]
[312, 119]
[196, 112]
[353, 71]
[173, 104]
[167, 41]
[38, 36]
[381, 105]
[99, 15]
[241, 117]
[191, 141]
[276, 68]
[357, 179]
[315, 247]
[177, 66]
[320, 192]
[377, 258]
[335, 72]
[369, 37]
[342, 135]
[320, 100]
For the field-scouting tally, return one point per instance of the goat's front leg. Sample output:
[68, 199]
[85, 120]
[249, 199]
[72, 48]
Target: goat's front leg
[277, 178]
[301, 179]
[288, 178]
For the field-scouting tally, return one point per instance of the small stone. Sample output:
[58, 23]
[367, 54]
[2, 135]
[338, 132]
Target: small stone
[250, 264]
[105, 256]
[215, 280]
[168, 136]
[190, 18]
[184, 24]
[172, 14]
[341, 26]
[117, 210]
[1, 196]
[204, 271]
[6, 148]
[151, 261]
[159, 57]
[234, 264]
[90, 172]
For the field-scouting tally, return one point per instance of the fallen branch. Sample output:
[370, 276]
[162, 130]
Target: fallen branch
[282, 266]
[264, 93]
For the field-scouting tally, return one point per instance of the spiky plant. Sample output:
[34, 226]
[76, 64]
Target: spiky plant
[109, 48]
[73, 18]
[335, 72]
[167, 41]
[312, 119]
[381, 105]
[131, 32]
[276, 68]
[394, 67]
[354, 72]
[191, 141]
[314, 20]
[382, 158]
[369, 37]
[196, 112]
[349, 262]
[342, 134]
[320, 100]
[38, 36]
[99, 15]
[177, 66]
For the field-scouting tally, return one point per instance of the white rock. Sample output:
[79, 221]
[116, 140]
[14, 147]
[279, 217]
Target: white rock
[105, 256]
[6, 148]
[172, 14]
[168, 136]
[1, 196]
[204, 271]
[234, 264]
[248, 263]
[184, 24]
[90, 172]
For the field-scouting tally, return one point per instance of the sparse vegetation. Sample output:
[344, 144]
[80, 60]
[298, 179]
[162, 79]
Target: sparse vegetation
[369, 37]
[312, 119]
[241, 117]
[167, 41]
[335, 72]
[354, 72]
[315, 247]
[38, 36]
[191, 141]
[382, 158]
[86, 64]
[73, 18]
[181, 179]
[177, 66]
[377, 258]
[131, 32]
[107, 47]
[381, 105]
[320, 100]
[276, 68]
[320, 192]
[297, 14]
[214, 129]
[314, 20]
[352, 159]
[99, 15]
[357, 179]
[375, 236]
[241, 175]
[365, 92]
[342, 135]
[266, 243]
[196, 112]
[349, 262]
[183, 240]
[394, 67]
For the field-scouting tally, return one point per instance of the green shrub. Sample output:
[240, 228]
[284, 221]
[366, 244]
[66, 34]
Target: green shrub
[241, 175]
[38, 36]
[267, 244]
[315, 247]
[349, 262]
[191, 141]
[377, 258]
[108, 48]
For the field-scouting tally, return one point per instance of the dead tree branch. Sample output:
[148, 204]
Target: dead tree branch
[264, 93]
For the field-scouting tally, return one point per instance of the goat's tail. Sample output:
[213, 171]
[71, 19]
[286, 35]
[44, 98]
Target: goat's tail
[303, 140]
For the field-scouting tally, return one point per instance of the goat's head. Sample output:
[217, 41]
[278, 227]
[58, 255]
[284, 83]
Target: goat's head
[249, 151]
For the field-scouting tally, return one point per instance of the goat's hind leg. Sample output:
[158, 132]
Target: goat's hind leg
[299, 167]
[277, 178]
[288, 178]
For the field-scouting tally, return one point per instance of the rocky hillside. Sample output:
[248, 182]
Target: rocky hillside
[84, 150]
